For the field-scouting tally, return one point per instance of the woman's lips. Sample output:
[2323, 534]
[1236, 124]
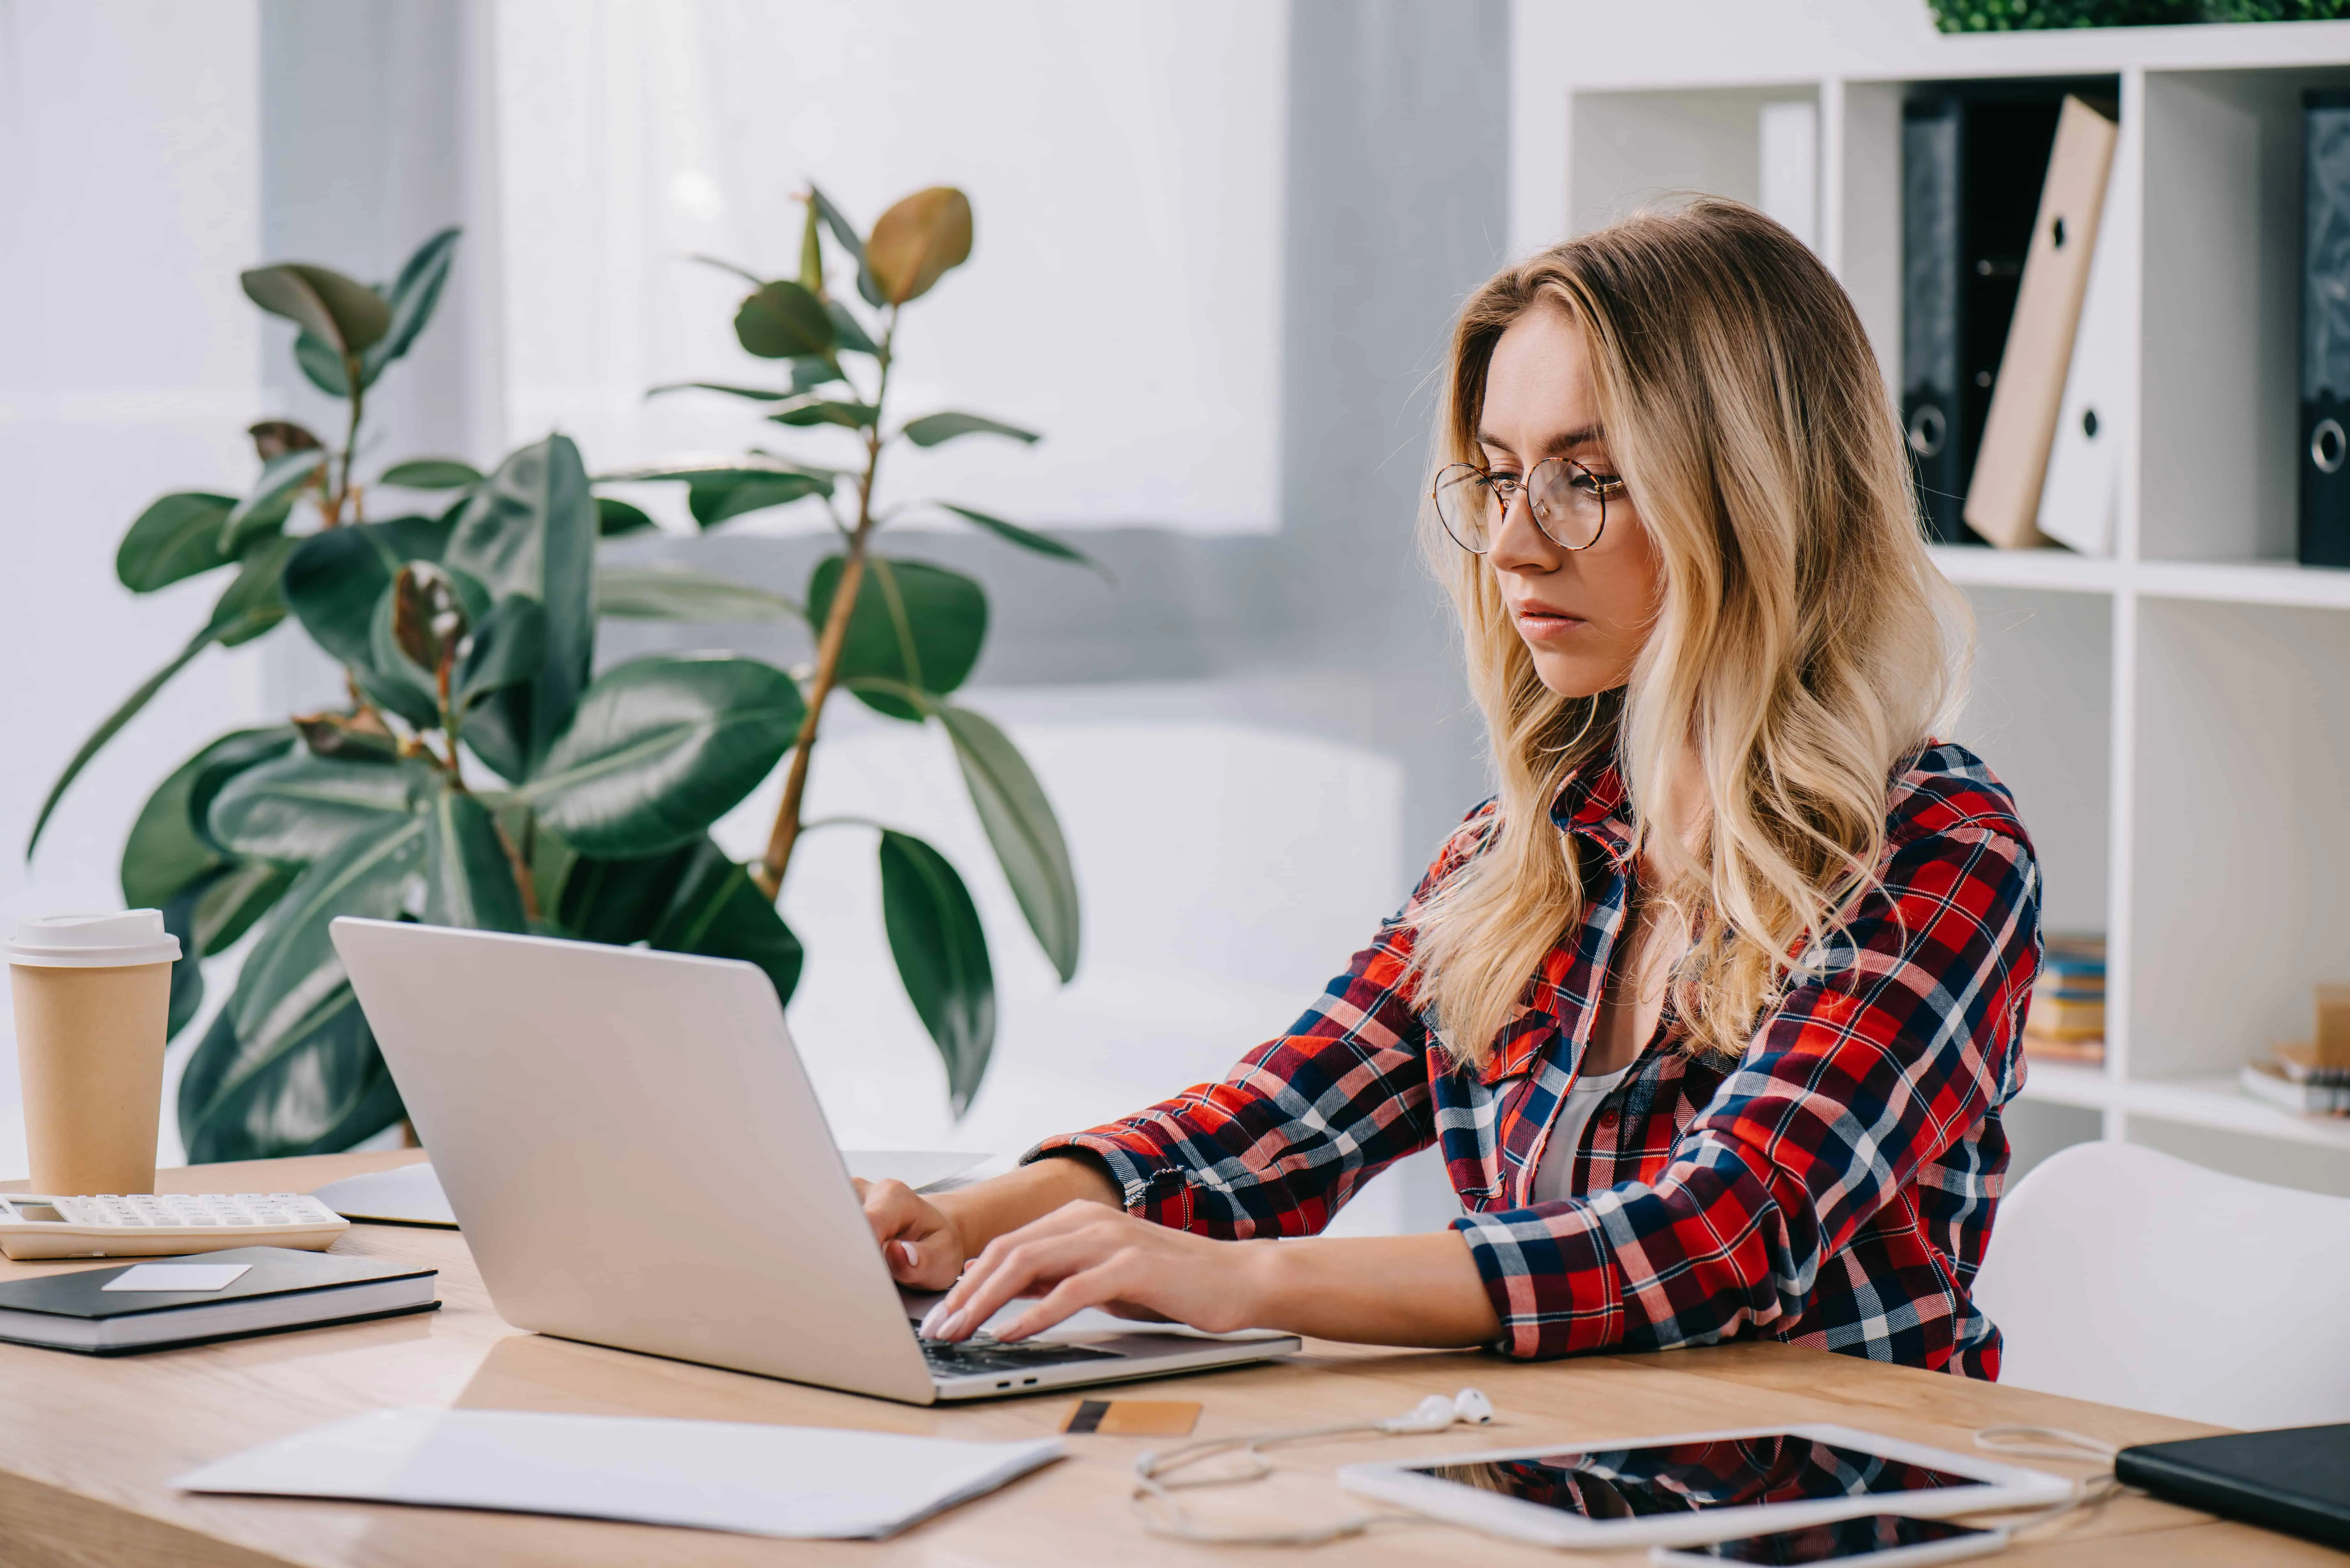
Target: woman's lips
[1538, 625]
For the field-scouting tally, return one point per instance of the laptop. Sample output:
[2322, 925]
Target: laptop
[637, 1158]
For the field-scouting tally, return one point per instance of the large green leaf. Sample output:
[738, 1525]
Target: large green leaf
[718, 499]
[334, 579]
[674, 593]
[168, 851]
[283, 480]
[289, 1067]
[809, 371]
[917, 240]
[1027, 539]
[234, 899]
[783, 321]
[717, 911]
[468, 879]
[299, 808]
[347, 313]
[250, 606]
[317, 1088]
[869, 288]
[177, 536]
[188, 969]
[507, 648]
[254, 601]
[532, 530]
[1026, 835]
[431, 473]
[914, 623]
[415, 294]
[692, 900]
[614, 517]
[829, 412]
[849, 331]
[932, 429]
[660, 749]
[941, 953]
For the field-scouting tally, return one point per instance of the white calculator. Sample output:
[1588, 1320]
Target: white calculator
[160, 1225]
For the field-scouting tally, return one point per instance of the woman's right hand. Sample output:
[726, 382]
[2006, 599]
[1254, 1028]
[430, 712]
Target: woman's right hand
[919, 1241]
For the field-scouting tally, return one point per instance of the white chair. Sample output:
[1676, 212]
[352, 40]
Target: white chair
[2127, 1276]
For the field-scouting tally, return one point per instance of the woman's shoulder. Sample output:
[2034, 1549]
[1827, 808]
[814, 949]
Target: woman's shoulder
[1943, 789]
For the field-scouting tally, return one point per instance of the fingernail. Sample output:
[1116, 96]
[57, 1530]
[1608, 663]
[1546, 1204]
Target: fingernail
[931, 1323]
[951, 1328]
[905, 1251]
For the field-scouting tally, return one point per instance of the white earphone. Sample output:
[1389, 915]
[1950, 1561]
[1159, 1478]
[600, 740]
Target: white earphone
[1433, 1414]
[1162, 1515]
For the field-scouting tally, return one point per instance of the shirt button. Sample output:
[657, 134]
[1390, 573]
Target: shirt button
[1608, 1118]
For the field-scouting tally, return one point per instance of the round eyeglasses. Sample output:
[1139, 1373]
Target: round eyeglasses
[1569, 502]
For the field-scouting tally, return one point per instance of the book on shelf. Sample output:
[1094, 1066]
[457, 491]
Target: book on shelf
[2299, 1062]
[2324, 329]
[2020, 428]
[2267, 1081]
[2066, 1019]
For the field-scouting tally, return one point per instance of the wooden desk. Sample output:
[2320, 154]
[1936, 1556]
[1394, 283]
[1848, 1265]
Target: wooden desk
[88, 1446]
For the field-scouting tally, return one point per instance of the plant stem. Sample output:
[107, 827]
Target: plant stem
[769, 874]
[333, 509]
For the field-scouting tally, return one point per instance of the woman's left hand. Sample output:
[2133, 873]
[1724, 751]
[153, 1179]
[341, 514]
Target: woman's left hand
[1086, 1255]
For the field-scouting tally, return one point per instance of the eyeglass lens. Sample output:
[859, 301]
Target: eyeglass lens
[1568, 501]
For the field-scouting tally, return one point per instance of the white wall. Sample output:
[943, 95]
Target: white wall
[1122, 296]
[129, 200]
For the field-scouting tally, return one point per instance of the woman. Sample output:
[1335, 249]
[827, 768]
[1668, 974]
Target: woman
[1713, 1008]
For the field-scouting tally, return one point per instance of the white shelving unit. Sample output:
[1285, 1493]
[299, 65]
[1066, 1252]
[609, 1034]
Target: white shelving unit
[2175, 719]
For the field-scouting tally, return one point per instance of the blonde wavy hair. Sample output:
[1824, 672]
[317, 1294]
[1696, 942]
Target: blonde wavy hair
[1803, 643]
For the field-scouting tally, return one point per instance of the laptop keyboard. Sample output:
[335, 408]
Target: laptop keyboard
[980, 1354]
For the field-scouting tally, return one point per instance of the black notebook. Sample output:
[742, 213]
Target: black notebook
[2296, 1481]
[277, 1288]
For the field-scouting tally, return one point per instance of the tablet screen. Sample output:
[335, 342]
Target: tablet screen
[1688, 1477]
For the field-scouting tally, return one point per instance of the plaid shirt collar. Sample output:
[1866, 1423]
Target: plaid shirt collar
[1592, 807]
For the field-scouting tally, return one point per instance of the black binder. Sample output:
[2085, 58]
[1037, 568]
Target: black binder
[1973, 158]
[2325, 329]
[2295, 1481]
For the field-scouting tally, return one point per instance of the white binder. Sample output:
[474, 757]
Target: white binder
[2081, 498]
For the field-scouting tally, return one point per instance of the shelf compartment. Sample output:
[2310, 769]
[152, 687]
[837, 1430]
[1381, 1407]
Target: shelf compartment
[2239, 843]
[2040, 711]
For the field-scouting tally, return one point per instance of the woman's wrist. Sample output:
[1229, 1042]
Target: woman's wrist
[980, 1213]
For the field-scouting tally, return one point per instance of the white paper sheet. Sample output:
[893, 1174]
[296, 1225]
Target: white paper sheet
[808, 1483]
[149, 1278]
[412, 1195]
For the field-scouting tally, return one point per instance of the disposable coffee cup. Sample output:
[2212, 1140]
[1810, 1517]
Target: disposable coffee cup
[93, 999]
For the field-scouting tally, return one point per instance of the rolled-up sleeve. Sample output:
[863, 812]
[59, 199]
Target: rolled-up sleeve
[1897, 1047]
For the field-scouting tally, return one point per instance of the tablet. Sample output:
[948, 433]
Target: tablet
[1696, 1487]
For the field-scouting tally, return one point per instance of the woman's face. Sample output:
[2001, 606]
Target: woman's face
[1583, 614]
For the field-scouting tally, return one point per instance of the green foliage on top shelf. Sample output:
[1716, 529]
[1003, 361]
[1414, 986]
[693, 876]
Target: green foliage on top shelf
[480, 773]
[2011, 15]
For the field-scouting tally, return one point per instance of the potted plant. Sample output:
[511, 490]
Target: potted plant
[481, 773]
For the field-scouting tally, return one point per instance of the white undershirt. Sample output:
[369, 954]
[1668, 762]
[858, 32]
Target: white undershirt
[1554, 1177]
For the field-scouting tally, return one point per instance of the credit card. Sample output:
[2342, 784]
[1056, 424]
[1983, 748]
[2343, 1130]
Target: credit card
[1133, 1417]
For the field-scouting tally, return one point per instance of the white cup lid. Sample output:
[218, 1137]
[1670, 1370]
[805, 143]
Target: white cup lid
[117, 940]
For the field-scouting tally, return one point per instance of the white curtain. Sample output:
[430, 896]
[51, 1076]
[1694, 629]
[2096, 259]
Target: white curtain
[1125, 164]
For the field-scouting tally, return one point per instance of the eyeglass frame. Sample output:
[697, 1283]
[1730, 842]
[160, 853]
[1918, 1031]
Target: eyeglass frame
[1602, 487]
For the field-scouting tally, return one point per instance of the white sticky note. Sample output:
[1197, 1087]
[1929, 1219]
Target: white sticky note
[177, 1277]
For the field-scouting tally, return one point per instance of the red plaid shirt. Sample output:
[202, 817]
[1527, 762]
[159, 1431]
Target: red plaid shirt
[1834, 1188]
